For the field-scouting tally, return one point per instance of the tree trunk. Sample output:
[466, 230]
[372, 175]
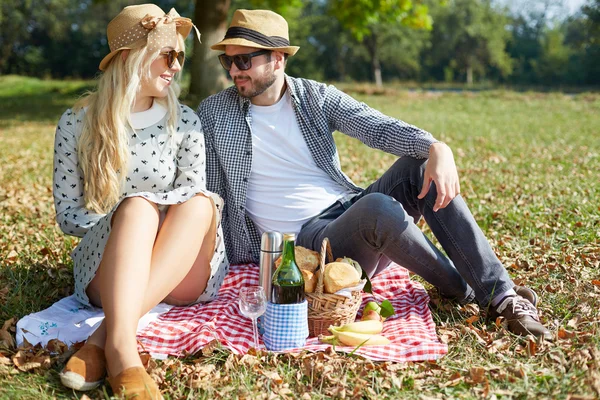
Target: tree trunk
[341, 63]
[207, 74]
[377, 72]
[469, 75]
[371, 43]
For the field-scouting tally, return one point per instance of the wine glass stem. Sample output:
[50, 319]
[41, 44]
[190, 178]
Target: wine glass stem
[255, 333]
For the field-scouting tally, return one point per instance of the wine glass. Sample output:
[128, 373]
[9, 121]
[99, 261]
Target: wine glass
[253, 304]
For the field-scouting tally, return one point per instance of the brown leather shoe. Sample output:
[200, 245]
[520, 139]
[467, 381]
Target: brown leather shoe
[527, 294]
[85, 369]
[521, 316]
[135, 383]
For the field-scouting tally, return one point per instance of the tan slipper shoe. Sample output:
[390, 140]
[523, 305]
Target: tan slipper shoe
[135, 383]
[85, 369]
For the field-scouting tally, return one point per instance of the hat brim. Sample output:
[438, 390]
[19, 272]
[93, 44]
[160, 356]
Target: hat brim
[291, 50]
[106, 60]
[183, 30]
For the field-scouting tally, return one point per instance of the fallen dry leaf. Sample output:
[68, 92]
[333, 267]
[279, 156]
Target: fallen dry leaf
[454, 380]
[56, 346]
[11, 257]
[500, 345]
[477, 374]
[145, 357]
[6, 338]
[573, 322]
[27, 361]
[531, 346]
[203, 376]
[248, 361]
[396, 381]
[3, 293]
[565, 334]
[595, 379]
[210, 347]
[518, 371]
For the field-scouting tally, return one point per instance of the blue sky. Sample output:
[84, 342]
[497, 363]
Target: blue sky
[558, 8]
[574, 5]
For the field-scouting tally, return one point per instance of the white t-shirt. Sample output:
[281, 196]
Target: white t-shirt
[285, 187]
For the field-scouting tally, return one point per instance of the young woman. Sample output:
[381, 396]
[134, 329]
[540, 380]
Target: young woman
[129, 178]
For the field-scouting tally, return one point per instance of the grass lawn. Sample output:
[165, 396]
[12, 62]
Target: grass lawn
[530, 171]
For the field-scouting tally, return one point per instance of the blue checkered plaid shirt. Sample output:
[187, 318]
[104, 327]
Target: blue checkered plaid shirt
[320, 110]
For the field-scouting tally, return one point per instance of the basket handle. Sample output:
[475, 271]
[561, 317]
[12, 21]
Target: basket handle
[325, 252]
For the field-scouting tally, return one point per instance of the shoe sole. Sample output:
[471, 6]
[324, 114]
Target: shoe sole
[77, 382]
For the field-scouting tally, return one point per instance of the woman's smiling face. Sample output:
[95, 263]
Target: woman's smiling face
[157, 85]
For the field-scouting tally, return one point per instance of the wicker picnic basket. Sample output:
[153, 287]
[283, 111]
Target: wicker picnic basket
[326, 309]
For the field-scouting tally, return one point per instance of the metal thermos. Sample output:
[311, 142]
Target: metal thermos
[270, 250]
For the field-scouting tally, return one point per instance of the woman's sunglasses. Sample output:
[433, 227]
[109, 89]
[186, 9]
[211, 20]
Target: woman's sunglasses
[174, 55]
[242, 61]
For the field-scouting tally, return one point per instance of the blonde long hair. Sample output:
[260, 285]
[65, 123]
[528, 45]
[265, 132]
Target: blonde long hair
[103, 146]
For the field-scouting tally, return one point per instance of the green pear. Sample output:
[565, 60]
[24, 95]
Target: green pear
[372, 305]
[371, 315]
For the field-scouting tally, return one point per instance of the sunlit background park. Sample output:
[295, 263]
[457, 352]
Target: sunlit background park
[513, 86]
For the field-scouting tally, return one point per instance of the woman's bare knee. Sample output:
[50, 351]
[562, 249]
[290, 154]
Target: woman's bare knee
[133, 208]
[198, 206]
[199, 209]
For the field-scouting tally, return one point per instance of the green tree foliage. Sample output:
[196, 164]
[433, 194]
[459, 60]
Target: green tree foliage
[525, 46]
[339, 40]
[469, 38]
[591, 46]
[361, 16]
[26, 27]
[59, 38]
[368, 20]
[553, 62]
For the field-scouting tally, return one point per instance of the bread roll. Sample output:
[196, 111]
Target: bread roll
[306, 259]
[310, 280]
[339, 275]
[352, 262]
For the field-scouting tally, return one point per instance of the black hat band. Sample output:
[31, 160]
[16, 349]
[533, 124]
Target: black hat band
[256, 37]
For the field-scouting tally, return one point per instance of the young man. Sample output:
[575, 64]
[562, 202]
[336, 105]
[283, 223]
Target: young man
[272, 157]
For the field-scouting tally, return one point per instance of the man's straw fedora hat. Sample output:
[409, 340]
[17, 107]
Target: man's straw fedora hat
[141, 25]
[261, 29]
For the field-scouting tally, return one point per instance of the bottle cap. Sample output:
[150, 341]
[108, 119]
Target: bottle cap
[289, 236]
[271, 241]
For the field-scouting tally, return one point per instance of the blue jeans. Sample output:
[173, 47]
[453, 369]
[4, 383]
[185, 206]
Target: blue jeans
[378, 226]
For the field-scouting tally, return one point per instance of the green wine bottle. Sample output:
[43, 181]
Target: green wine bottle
[288, 283]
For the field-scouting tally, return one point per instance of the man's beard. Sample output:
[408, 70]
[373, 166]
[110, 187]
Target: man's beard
[258, 85]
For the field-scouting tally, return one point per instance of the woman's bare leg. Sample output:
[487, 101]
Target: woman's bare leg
[179, 265]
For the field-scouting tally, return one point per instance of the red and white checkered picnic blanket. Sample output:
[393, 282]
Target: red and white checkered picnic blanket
[189, 329]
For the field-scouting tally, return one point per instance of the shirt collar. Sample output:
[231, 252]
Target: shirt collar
[149, 117]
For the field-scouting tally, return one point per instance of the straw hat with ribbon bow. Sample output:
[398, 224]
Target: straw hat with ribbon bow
[262, 29]
[145, 25]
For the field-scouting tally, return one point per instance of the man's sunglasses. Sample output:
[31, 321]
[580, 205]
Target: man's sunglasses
[174, 55]
[242, 61]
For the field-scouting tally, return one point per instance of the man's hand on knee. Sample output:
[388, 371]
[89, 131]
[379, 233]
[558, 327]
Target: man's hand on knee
[442, 171]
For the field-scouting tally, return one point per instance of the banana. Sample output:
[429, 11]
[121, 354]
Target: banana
[367, 326]
[328, 339]
[356, 339]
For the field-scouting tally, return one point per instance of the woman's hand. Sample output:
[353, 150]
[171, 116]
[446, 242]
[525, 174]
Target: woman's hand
[441, 169]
